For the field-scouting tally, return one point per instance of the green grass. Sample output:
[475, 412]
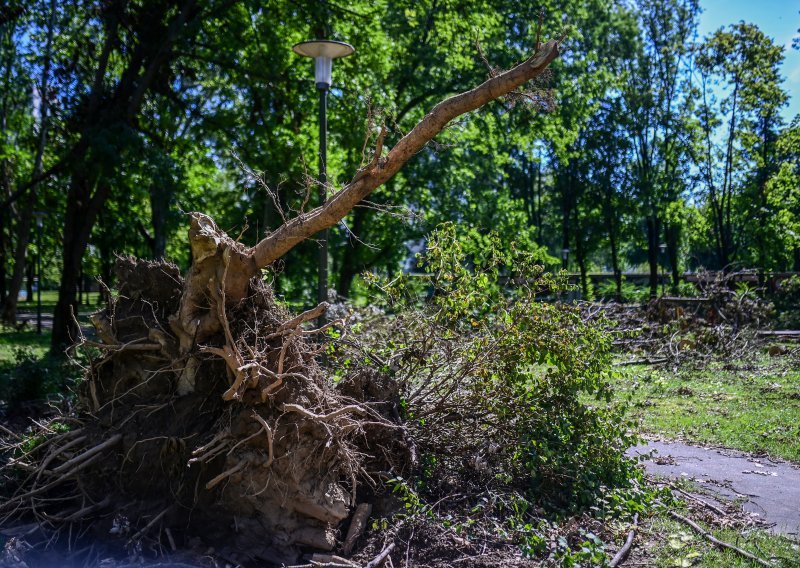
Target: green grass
[50, 297]
[11, 341]
[751, 406]
[673, 543]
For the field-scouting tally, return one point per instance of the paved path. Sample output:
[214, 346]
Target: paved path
[29, 317]
[771, 488]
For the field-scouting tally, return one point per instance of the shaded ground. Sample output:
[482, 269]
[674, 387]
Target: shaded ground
[767, 488]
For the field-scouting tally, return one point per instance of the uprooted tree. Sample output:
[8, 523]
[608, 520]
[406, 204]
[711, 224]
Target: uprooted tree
[205, 406]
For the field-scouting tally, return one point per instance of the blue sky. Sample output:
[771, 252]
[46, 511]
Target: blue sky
[779, 19]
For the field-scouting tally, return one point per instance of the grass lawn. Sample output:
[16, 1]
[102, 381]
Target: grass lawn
[753, 406]
[50, 297]
[672, 543]
[10, 341]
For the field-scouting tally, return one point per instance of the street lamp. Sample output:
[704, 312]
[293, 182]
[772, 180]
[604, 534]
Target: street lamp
[663, 248]
[324, 52]
[564, 257]
[39, 224]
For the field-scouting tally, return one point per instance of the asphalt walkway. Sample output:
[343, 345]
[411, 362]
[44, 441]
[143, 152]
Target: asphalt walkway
[769, 488]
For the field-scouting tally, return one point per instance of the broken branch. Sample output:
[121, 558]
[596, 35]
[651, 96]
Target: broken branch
[623, 552]
[712, 539]
[290, 234]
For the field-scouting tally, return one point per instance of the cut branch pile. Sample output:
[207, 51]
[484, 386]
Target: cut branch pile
[720, 321]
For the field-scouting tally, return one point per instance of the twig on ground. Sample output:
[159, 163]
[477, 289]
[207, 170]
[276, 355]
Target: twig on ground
[381, 558]
[710, 506]
[623, 552]
[712, 539]
[9, 432]
[642, 362]
[331, 560]
[86, 511]
[149, 525]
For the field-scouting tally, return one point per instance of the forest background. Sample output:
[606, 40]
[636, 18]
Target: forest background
[651, 146]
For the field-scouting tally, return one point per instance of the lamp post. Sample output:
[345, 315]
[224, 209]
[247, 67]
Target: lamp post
[39, 224]
[663, 248]
[324, 52]
[564, 257]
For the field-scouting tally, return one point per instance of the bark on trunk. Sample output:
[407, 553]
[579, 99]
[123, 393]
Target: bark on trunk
[82, 210]
[29, 277]
[653, 226]
[159, 204]
[612, 238]
[3, 260]
[20, 253]
[352, 251]
[673, 244]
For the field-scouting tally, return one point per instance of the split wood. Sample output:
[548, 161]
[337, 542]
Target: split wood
[712, 539]
[357, 526]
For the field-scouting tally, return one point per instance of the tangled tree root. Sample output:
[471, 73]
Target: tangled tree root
[234, 436]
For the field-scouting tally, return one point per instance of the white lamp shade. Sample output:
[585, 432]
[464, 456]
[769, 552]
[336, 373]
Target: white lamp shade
[323, 70]
[323, 48]
[324, 52]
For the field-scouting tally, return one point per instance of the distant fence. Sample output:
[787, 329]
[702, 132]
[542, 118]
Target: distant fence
[694, 277]
[770, 279]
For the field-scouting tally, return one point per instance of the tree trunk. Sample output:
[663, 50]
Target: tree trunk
[350, 260]
[612, 239]
[653, 227]
[673, 244]
[80, 286]
[566, 210]
[584, 276]
[539, 216]
[3, 260]
[159, 205]
[20, 264]
[82, 211]
[30, 275]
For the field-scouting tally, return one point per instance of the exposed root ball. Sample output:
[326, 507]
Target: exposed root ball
[240, 440]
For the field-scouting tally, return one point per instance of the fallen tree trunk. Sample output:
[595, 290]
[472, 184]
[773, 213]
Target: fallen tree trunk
[204, 410]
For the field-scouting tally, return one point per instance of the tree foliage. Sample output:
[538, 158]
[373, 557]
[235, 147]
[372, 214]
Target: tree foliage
[644, 134]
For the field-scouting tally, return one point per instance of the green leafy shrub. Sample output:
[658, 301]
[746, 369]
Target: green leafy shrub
[499, 388]
[787, 303]
[29, 378]
[607, 290]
